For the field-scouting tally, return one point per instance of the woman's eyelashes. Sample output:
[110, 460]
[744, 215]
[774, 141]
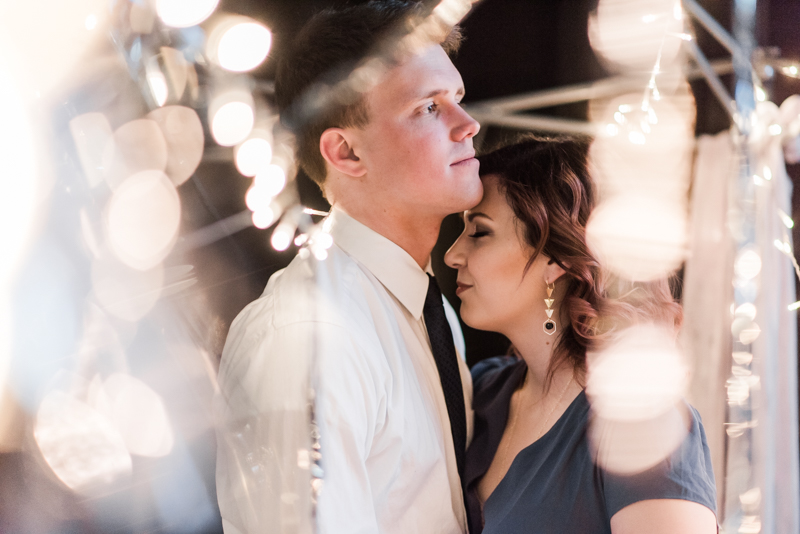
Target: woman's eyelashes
[479, 232]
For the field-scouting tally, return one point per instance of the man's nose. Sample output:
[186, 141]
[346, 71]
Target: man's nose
[466, 127]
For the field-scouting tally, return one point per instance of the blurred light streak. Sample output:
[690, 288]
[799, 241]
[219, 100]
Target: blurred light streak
[232, 117]
[239, 44]
[184, 138]
[253, 155]
[185, 13]
[81, 447]
[157, 83]
[217, 230]
[138, 413]
[143, 218]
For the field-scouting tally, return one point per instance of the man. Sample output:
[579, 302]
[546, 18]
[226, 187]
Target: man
[393, 417]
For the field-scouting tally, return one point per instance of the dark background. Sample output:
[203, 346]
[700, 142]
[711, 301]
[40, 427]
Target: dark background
[511, 47]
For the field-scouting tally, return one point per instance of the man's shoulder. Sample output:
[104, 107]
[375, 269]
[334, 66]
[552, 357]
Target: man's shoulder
[333, 291]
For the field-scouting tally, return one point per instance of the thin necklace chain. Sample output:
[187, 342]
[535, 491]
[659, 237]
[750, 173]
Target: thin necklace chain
[539, 433]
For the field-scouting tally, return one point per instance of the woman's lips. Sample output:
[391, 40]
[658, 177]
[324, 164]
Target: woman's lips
[461, 288]
[465, 162]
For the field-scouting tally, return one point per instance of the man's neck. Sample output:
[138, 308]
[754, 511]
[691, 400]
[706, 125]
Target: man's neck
[415, 234]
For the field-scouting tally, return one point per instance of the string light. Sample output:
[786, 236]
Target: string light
[185, 13]
[239, 44]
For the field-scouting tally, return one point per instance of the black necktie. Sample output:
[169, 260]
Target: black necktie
[444, 352]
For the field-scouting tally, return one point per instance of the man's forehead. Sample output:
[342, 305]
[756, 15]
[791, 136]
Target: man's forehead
[423, 74]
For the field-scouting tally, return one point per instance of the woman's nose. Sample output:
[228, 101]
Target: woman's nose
[454, 257]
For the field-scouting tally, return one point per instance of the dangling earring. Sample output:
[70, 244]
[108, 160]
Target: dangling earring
[549, 325]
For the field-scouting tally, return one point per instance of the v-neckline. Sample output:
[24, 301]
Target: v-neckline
[530, 445]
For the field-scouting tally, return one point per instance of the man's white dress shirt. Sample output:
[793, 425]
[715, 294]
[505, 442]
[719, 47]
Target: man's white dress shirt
[387, 449]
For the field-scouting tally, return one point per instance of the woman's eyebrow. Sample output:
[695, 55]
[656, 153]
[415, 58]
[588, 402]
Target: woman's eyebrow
[477, 214]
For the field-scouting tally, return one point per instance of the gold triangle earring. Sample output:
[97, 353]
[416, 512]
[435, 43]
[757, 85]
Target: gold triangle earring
[549, 325]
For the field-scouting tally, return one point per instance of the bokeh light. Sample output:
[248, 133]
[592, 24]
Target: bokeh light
[239, 44]
[272, 179]
[143, 218]
[634, 33]
[748, 264]
[637, 377]
[81, 446]
[183, 134]
[138, 414]
[282, 236]
[136, 146]
[264, 217]
[185, 13]
[639, 237]
[253, 155]
[158, 84]
[232, 118]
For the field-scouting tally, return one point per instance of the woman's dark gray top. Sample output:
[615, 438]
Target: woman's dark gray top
[553, 486]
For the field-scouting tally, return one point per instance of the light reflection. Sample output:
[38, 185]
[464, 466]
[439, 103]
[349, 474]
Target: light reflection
[81, 447]
[91, 132]
[158, 85]
[264, 217]
[185, 13]
[143, 219]
[282, 236]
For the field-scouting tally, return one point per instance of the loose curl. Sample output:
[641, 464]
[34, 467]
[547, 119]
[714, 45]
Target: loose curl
[547, 183]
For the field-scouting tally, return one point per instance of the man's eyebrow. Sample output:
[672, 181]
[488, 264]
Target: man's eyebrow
[474, 214]
[438, 92]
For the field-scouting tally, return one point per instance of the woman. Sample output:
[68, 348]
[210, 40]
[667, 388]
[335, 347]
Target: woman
[524, 270]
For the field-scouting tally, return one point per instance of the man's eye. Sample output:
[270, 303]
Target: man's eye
[431, 108]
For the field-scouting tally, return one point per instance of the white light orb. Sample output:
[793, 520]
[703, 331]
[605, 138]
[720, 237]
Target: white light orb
[639, 237]
[263, 218]
[638, 376]
[253, 156]
[232, 122]
[143, 219]
[748, 264]
[272, 179]
[243, 46]
[282, 237]
[185, 13]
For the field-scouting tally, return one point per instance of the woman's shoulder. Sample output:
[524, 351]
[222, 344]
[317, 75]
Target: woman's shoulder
[491, 374]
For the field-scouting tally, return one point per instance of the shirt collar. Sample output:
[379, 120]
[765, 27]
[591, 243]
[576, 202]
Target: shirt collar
[387, 261]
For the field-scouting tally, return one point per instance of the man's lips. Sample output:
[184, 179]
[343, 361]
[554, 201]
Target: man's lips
[461, 288]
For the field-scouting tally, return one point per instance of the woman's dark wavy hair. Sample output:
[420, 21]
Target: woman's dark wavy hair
[547, 183]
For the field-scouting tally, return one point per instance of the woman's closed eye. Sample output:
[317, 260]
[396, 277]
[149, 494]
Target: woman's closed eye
[479, 233]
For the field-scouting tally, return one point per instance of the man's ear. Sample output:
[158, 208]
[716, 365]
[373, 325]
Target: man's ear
[335, 145]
